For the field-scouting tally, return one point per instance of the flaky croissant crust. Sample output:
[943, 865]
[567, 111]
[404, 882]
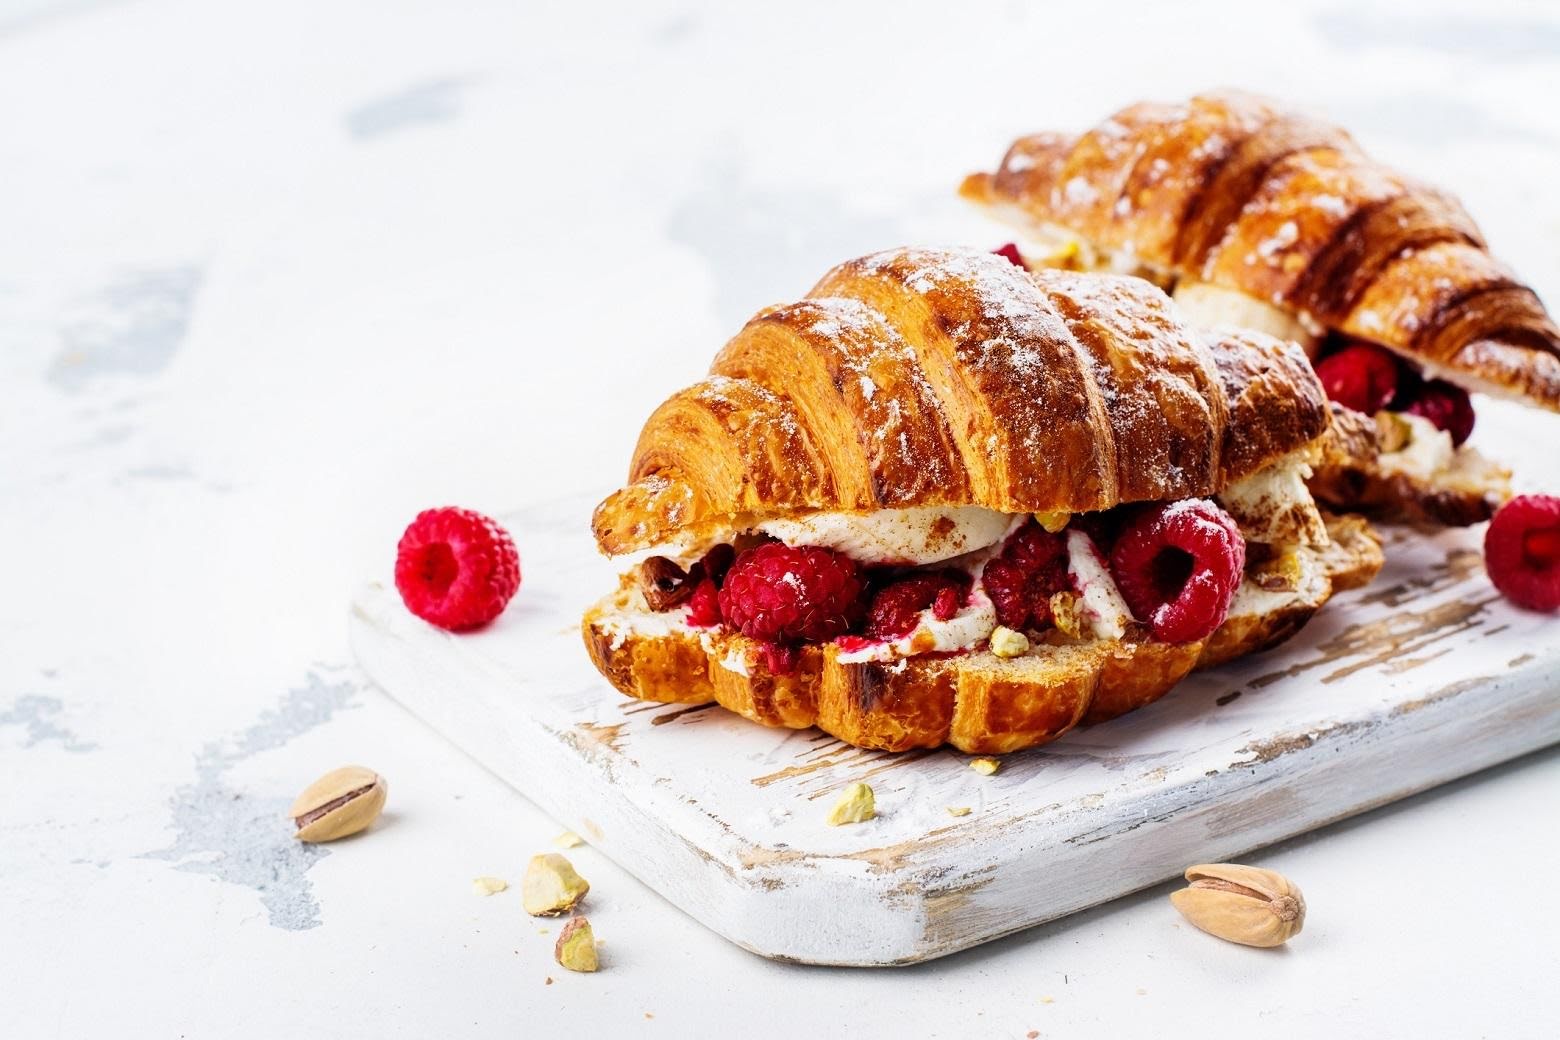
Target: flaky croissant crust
[920, 377]
[1231, 189]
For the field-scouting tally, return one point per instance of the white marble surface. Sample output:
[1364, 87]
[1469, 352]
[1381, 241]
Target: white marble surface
[273, 277]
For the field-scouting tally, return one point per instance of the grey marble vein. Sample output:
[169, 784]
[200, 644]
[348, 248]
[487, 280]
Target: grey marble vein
[763, 244]
[1480, 35]
[419, 105]
[132, 326]
[37, 714]
[242, 838]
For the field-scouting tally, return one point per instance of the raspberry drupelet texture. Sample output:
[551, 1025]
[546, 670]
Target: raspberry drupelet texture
[1021, 580]
[778, 593]
[1178, 567]
[1360, 376]
[704, 605]
[1522, 551]
[1445, 405]
[456, 568]
[896, 607]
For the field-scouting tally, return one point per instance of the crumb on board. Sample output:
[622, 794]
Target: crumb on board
[856, 805]
[487, 886]
[958, 810]
[568, 840]
[985, 766]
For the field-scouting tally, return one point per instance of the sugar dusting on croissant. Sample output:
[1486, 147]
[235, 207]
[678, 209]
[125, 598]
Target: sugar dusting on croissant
[1232, 190]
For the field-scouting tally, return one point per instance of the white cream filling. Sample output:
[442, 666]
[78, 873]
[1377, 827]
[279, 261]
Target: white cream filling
[1429, 450]
[912, 537]
[1252, 600]
[970, 626]
[1208, 306]
[1099, 600]
[973, 624]
[1274, 504]
[635, 621]
[915, 536]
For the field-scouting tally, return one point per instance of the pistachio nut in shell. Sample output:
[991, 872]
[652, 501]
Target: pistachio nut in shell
[342, 802]
[1246, 905]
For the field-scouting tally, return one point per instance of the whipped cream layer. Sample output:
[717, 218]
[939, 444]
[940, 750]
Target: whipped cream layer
[1274, 505]
[905, 537]
[1208, 306]
[1099, 600]
[1429, 449]
[914, 536]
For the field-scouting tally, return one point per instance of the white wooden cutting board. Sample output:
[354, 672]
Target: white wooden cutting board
[1423, 677]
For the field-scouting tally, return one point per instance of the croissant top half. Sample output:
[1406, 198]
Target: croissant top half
[926, 377]
[1231, 189]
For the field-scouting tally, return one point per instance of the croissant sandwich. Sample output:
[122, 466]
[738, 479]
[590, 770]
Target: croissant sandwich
[940, 500]
[1255, 216]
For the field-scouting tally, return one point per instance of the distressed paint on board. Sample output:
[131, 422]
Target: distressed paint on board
[725, 818]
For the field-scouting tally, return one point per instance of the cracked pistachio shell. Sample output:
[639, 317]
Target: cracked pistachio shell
[342, 802]
[1246, 905]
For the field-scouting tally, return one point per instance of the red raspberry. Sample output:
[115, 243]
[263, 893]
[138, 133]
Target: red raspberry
[1178, 566]
[1021, 580]
[1522, 551]
[896, 607]
[456, 569]
[1445, 405]
[1360, 376]
[716, 563]
[779, 658]
[704, 605]
[775, 592]
[1010, 253]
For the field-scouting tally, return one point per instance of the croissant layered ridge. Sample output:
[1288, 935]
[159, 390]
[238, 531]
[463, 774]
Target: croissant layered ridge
[1234, 191]
[929, 377]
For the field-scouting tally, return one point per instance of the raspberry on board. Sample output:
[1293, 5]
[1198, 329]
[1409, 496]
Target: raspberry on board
[778, 593]
[1522, 551]
[456, 568]
[1360, 376]
[1178, 566]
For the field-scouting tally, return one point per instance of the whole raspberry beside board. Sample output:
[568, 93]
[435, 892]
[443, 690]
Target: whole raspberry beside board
[1522, 551]
[456, 568]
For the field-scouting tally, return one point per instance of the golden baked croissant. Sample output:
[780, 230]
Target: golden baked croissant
[1260, 217]
[910, 415]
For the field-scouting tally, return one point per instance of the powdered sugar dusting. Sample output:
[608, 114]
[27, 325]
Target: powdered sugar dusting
[1079, 192]
[1019, 163]
[1331, 205]
[1287, 235]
